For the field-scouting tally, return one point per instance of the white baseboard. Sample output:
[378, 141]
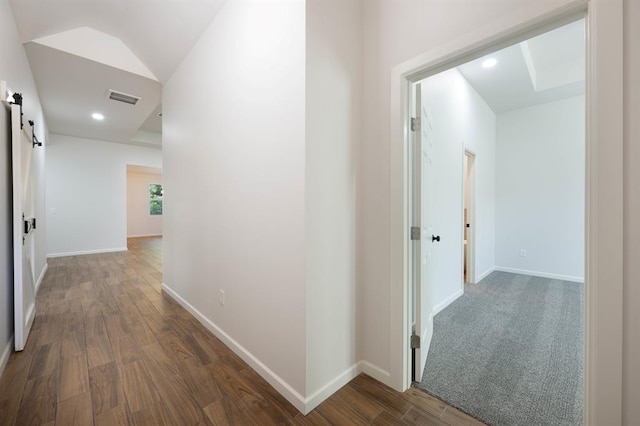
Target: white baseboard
[79, 253]
[376, 372]
[304, 405]
[484, 274]
[330, 388]
[144, 235]
[449, 300]
[41, 277]
[540, 274]
[274, 380]
[6, 353]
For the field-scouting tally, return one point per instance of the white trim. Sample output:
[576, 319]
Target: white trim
[461, 50]
[304, 405]
[376, 372]
[80, 253]
[41, 277]
[449, 300]
[330, 388]
[604, 190]
[540, 274]
[604, 227]
[144, 235]
[4, 359]
[274, 380]
[485, 274]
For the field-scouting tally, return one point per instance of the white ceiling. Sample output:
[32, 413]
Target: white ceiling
[71, 88]
[158, 32]
[161, 32]
[545, 68]
[80, 48]
[153, 123]
[98, 47]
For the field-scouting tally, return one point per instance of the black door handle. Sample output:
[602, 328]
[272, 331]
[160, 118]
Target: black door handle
[435, 238]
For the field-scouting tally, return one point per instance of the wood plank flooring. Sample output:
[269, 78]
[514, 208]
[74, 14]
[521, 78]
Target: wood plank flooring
[109, 348]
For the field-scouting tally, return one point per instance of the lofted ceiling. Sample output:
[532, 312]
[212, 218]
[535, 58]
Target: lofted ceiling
[542, 69]
[72, 88]
[158, 32]
[153, 123]
[78, 49]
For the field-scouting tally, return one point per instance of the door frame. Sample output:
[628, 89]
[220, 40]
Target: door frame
[604, 191]
[471, 217]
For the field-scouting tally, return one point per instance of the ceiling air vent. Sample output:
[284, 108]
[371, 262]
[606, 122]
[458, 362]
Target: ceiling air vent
[122, 97]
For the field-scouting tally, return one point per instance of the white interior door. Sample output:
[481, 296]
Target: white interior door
[424, 187]
[23, 228]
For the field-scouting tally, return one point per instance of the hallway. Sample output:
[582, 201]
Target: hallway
[108, 348]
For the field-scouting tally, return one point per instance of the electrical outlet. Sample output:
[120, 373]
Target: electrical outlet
[221, 297]
[523, 253]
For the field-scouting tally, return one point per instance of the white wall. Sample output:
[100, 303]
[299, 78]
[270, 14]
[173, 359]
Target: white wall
[540, 157]
[139, 222]
[460, 120]
[333, 132]
[87, 193]
[234, 179]
[631, 336]
[15, 70]
[394, 32]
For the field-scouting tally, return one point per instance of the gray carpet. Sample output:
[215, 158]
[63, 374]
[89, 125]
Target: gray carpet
[510, 351]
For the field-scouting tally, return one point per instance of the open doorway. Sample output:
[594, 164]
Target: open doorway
[521, 111]
[145, 209]
[468, 225]
[144, 201]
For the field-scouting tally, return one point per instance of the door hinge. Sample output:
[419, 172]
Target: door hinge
[415, 124]
[415, 233]
[415, 341]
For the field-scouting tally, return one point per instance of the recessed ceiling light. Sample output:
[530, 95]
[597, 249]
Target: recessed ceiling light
[489, 63]
[97, 116]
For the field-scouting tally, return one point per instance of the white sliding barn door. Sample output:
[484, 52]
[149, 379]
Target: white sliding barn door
[23, 228]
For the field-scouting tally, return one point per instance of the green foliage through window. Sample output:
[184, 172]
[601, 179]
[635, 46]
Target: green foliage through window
[155, 199]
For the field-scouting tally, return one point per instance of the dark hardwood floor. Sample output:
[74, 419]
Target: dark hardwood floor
[109, 348]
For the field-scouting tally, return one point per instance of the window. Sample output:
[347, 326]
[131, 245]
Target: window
[155, 199]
